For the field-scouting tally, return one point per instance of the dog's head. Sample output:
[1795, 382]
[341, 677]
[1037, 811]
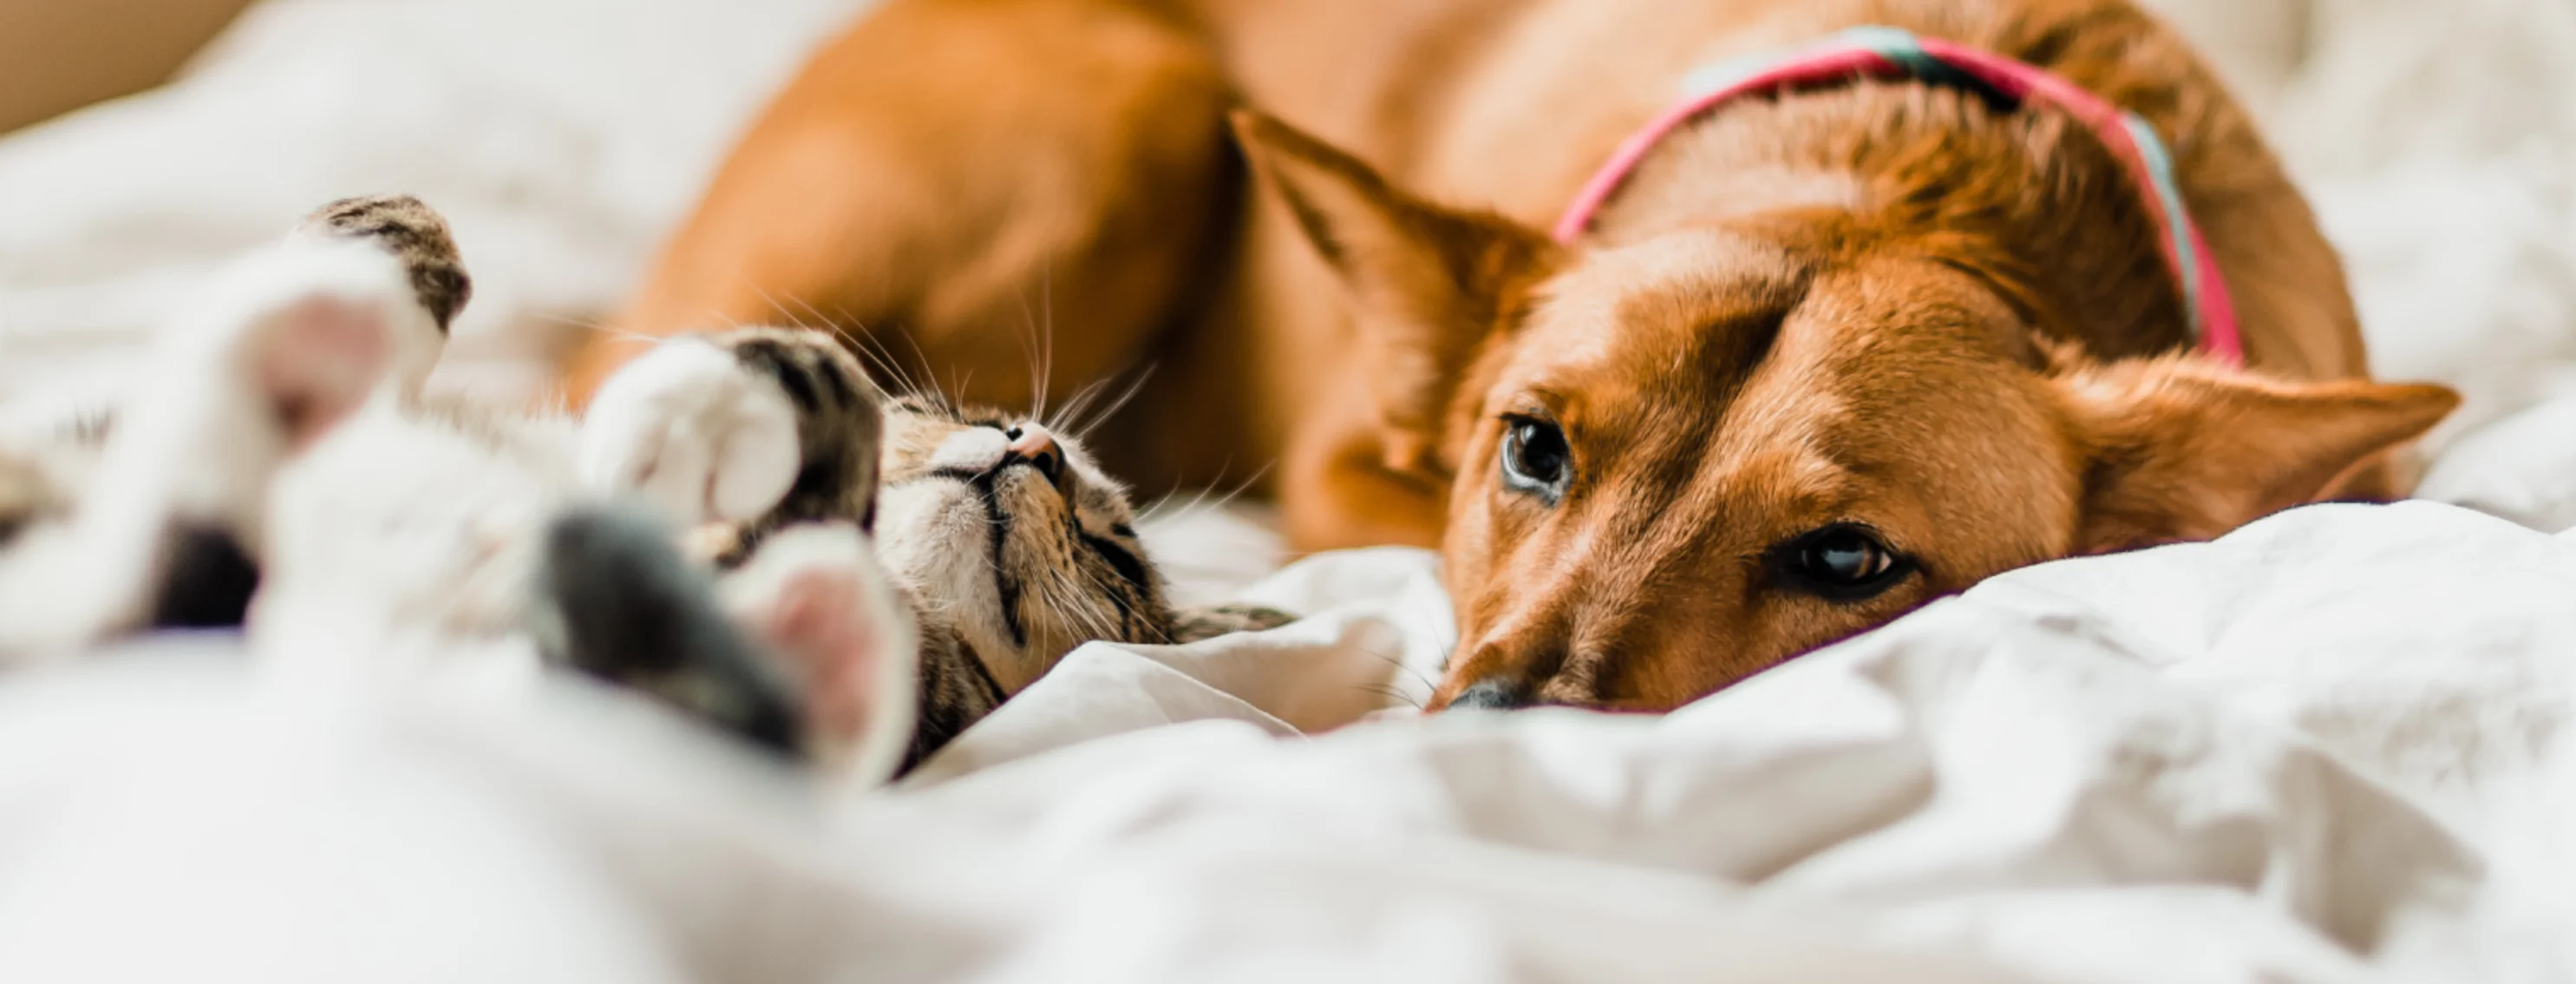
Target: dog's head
[1679, 460]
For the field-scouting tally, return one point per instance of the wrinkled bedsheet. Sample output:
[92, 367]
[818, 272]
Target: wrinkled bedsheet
[2330, 747]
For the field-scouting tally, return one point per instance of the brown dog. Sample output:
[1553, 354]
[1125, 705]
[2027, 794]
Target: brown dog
[1830, 353]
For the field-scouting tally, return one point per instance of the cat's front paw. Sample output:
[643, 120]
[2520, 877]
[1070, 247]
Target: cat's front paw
[695, 432]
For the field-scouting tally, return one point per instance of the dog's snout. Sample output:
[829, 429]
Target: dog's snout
[1033, 443]
[1492, 694]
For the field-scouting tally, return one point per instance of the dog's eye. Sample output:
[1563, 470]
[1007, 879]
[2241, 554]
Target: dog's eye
[1842, 562]
[1535, 457]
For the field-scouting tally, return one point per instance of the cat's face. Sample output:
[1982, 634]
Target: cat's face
[1013, 536]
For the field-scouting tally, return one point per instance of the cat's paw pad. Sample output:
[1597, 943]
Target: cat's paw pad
[315, 361]
[695, 432]
[817, 599]
[281, 348]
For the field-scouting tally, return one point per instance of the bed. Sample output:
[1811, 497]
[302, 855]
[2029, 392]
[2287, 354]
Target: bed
[2332, 746]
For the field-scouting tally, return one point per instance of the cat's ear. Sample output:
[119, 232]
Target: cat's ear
[1194, 624]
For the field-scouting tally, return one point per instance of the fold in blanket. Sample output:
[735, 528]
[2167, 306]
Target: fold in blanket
[2325, 748]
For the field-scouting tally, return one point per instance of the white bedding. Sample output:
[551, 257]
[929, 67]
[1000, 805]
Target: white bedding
[2326, 748]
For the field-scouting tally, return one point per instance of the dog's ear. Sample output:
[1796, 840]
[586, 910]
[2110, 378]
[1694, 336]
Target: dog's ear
[1427, 284]
[2181, 448]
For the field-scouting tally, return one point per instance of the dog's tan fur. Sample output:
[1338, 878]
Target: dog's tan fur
[1885, 306]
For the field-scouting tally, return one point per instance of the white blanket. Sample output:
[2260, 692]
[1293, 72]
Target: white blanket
[2327, 748]
[2323, 749]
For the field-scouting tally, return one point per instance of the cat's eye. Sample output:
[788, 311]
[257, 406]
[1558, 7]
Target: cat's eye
[1536, 458]
[1842, 562]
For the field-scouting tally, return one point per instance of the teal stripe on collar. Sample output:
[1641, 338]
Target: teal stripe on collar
[2168, 192]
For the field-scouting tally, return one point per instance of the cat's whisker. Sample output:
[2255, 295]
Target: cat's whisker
[1073, 408]
[893, 377]
[1200, 501]
[947, 399]
[895, 380]
[1392, 695]
[1399, 664]
[1046, 336]
[1080, 421]
[776, 307]
[1239, 489]
[1094, 418]
[858, 334]
[823, 323]
[1096, 619]
[599, 328]
[1037, 342]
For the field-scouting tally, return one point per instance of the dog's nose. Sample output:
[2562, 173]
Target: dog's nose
[1491, 694]
[1032, 443]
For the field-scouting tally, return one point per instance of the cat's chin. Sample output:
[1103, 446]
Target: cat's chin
[937, 538]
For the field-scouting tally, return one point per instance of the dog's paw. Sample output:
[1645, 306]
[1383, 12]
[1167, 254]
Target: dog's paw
[818, 600]
[695, 432]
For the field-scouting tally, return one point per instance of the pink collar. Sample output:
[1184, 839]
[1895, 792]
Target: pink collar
[1881, 52]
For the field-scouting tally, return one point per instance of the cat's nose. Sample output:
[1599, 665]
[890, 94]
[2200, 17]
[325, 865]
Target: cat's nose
[1032, 443]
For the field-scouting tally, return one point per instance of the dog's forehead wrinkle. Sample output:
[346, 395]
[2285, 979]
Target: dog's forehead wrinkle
[1676, 281]
[1693, 467]
[1706, 282]
[1767, 463]
[1683, 346]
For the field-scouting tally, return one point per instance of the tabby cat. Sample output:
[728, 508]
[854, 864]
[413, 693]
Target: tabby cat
[743, 526]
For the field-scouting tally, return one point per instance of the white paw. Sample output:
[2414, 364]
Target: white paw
[284, 347]
[817, 598]
[329, 320]
[694, 432]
